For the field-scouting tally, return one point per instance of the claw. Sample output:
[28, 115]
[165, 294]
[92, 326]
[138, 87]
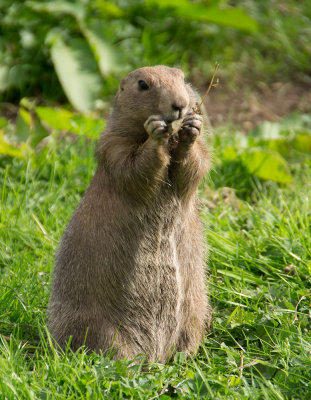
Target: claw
[156, 127]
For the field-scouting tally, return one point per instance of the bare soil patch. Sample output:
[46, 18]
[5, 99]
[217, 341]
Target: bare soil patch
[247, 108]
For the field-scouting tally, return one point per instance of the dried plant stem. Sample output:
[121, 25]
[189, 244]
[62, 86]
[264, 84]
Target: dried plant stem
[212, 84]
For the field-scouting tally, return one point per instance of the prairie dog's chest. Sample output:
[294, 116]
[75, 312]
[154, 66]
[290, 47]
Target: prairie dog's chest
[162, 225]
[159, 264]
[156, 266]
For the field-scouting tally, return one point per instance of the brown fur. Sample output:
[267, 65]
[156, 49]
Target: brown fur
[130, 270]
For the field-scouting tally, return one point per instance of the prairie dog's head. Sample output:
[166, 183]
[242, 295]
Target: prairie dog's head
[158, 90]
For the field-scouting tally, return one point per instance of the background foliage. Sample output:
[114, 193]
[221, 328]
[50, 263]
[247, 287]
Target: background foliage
[82, 47]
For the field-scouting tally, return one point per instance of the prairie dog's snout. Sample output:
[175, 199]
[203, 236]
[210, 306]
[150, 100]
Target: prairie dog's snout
[174, 102]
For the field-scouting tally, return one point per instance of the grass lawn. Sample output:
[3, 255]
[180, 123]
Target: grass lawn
[259, 238]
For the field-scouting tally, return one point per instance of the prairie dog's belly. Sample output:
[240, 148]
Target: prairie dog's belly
[154, 293]
[170, 294]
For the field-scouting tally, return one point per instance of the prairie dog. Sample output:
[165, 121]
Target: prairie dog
[129, 275]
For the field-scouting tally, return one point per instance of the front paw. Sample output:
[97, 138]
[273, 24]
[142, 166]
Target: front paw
[190, 128]
[156, 128]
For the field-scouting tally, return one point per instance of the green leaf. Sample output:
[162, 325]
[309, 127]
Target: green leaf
[83, 125]
[302, 143]
[267, 165]
[62, 119]
[103, 51]
[230, 153]
[8, 149]
[22, 128]
[56, 118]
[232, 17]
[280, 145]
[108, 8]
[76, 9]
[29, 128]
[77, 71]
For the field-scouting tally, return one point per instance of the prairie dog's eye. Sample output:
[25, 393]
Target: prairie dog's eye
[142, 85]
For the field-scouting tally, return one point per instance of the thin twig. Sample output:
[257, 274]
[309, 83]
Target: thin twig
[242, 367]
[212, 84]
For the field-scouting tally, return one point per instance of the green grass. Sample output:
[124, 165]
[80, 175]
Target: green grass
[255, 351]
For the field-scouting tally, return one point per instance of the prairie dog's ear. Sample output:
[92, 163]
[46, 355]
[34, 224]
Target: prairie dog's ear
[123, 83]
[179, 72]
[121, 87]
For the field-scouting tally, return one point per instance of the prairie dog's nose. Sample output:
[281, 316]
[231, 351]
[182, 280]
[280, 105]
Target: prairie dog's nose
[179, 106]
